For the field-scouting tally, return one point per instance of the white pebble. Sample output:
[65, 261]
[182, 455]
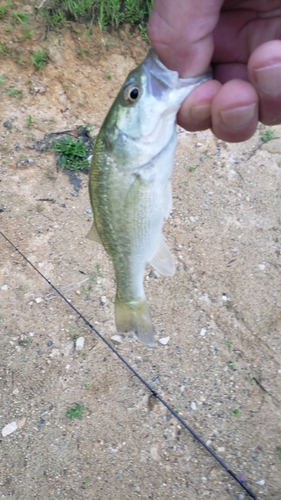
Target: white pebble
[261, 482]
[67, 367]
[79, 343]
[261, 267]
[117, 339]
[38, 300]
[203, 331]
[41, 264]
[164, 340]
[9, 428]
[221, 449]
[4, 287]
[31, 334]
[224, 297]
[193, 405]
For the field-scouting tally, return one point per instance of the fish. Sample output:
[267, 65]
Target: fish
[130, 185]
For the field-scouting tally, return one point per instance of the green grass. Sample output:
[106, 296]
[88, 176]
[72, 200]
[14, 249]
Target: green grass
[269, 134]
[2, 80]
[107, 13]
[75, 412]
[39, 58]
[235, 413]
[72, 154]
[21, 17]
[15, 93]
[3, 11]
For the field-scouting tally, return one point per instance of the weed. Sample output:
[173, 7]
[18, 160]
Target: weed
[229, 343]
[106, 12]
[232, 364]
[75, 412]
[21, 61]
[177, 409]
[29, 120]
[72, 154]
[109, 77]
[74, 338]
[81, 53]
[3, 11]
[71, 328]
[2, 80]
[94, 276]
[84, 355]
[5, 50]
[85, 484]
[27, 34]
[192, 169]
[21, 17]
[235, 413]
[269, 134]
[39, 58]
[88, 386]
[251, 377]
[39, 208]
[15, 93]
[49, 174]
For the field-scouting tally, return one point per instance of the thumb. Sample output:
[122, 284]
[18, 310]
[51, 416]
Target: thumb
[181, 32]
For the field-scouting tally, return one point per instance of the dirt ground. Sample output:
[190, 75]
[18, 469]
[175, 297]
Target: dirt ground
[221, 368]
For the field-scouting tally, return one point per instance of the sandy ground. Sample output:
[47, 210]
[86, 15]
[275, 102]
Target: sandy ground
[221, 368]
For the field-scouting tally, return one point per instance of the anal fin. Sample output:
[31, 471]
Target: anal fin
[93, 234]
[162, 260]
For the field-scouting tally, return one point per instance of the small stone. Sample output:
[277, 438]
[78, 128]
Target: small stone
[193, 405]
[9, 428]
[4, 287]
[261, 267]
[67, 367]
[8, 125]
[79, 343]
[261, 482]
[38, 300]
[164, 340]
[117, 339]
[221, 449]
[21, 422]
[224, 297]
[235, 250]
[203, 331]
[40, 264]
[31, 334]
[49, 343]
[88, 211]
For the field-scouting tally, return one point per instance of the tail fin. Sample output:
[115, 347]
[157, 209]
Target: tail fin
[134, 316]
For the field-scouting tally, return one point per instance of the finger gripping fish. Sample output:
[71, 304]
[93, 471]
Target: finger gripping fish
[130, 187]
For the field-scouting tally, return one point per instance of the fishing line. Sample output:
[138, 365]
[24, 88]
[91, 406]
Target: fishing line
[143, 381]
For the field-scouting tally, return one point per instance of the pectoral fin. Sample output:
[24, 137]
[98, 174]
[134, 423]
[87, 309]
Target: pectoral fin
[162, 260]
[93, 234]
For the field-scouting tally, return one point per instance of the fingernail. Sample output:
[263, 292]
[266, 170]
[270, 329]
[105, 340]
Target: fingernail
[200, 113]
[269, 79]
[238, 117]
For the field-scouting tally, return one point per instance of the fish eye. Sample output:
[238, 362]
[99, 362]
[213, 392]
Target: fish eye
[131, 93]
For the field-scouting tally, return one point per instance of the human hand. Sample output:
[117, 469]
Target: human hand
[241, 39]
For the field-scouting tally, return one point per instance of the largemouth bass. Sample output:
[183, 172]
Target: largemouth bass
[130, 187]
